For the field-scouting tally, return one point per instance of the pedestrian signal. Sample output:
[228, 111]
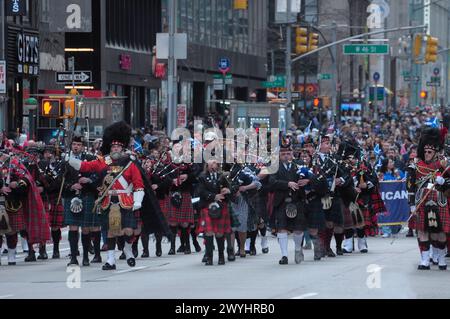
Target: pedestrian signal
[51, 108]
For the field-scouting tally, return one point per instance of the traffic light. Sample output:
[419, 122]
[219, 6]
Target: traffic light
[313, 41]
[69, 108]
[51, 108]
[417, 47]
[423, 95]
[317, 102]
[240, 4]
[431, 52]
[301, 40]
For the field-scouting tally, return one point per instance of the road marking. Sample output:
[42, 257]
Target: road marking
[6, 296]
[304, 296]
[130, 270]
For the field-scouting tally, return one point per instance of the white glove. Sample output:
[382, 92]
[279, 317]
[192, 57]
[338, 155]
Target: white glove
[413, 209]
[75, 163]
[137, 199]
[440, 180]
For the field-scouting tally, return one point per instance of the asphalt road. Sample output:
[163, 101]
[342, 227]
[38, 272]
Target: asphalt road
[389, 270]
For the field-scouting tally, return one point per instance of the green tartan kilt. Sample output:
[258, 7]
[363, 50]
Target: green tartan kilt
[86, 218]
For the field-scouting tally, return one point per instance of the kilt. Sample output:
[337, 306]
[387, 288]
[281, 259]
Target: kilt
[164, 205]
[241, 209]
[217, 226]
[376, 202]
[443, 215]
[348, 221]
[183, 214]
[298, 223]
[137, 215]
[314, 214]
[17, 221]
[128, 219]
[55, 214]
[86, 218]
[334, 214]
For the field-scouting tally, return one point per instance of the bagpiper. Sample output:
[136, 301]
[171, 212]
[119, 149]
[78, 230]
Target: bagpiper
[79, 193]
[431, 204]
[124, 190]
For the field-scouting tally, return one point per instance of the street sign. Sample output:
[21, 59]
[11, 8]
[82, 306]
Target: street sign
[80, 77]
[218, 79]
[436, 71]
[436, 79]
[407, 78]
[405, 73]
[376, 76]
[278, 83]
[380, 94]
[363, 49]
[2, 77]
[433, 84]
[224, 65]
[295, 95]
[325, 76]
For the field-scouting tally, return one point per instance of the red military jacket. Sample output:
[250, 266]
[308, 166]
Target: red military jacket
[124, 187]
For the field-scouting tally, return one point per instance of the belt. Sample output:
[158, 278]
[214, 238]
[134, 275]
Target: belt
[121, 191]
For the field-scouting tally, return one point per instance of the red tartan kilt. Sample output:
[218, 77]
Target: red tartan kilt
[164, 205]
[412, 222]
[55, 216]
[137, 215]
[17, 221]
[217, 226]
[270, 199]
[444, 216]
[348, 221]
[182, 214]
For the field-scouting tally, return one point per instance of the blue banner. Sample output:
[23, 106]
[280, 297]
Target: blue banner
[395, 197]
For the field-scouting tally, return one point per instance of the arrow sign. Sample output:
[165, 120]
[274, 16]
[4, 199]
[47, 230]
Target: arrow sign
[80, 77]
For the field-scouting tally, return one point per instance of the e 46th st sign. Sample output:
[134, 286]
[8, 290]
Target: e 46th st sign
[356, 49]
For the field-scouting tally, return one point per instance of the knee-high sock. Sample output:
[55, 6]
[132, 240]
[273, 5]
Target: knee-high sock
[229, 242]
[209, 242]
[220, 245]
[349, 233]
[283, 242]
[253, 235]
[193, 235]
[111, 251]
[144, 241]
[73, 241]
[86, 242]
[56, 237]
[185, 237]
[136, 242]
[339, 238]
[120, 243]
[174, 230]
[11, 241]
[128, 246]
[329, 236]
[236, 234]
[298, 239]
[96, 242]
[360, 233]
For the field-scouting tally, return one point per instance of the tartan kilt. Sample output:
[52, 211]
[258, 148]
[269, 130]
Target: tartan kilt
[182, 214]
[270, 200]
[86, 218]
[221, 225]
[164, 205]
[443, 213]
[348, 221]
[17, 221]
[137, 216]
[412, 222]
[55, 214]
[376, 203]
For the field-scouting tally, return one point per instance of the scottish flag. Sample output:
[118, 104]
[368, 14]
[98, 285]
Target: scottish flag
[137, 147]
[433, 122]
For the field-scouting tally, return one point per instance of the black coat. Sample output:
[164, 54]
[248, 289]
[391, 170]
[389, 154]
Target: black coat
[279, 185]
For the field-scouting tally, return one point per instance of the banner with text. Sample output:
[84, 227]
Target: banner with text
[395, 197]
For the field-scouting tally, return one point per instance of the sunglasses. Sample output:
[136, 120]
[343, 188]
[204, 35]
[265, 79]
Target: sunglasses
[429, 152]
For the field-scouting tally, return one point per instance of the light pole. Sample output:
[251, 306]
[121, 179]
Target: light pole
[288, 67]
[172, 70]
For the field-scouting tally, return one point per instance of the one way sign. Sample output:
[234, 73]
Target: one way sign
[80, 77]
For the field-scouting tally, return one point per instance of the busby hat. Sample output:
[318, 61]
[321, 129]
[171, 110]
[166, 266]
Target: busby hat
[116, 134]
[430, 138]
[78, 138]
[285, 145]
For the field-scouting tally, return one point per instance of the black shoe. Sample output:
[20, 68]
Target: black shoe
[231, 256]
[422, 267]
[209, 261]
[364, 251]
[73, 261]
[410, 233]
[97, 260]
[187, 251]
[221, 260]
[345, 251]
[145, 254]
[108, 267]
[330, 253]
[247, 252]
[30, 258]
[86, 262]
[443, 267]
[131, 262]
[11, 263]
[283, 260]
[172, 251]
[42, 256]
[316, 258]
[339, 251]
[123, 256]
[197, 247]
[253, 252]
[181, 249]
[434, 262]
[55, 254]
[265, 250]
[5, 251]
